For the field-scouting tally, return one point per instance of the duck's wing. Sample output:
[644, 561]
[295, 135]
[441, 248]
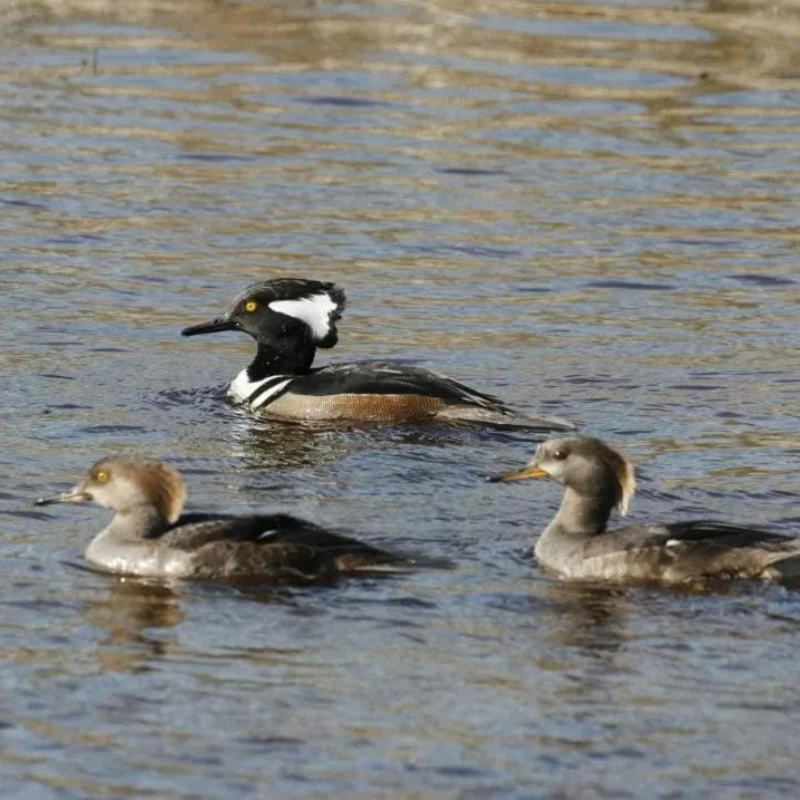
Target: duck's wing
[383, 377]
[697, 531]
[277, 546]
[698, 549]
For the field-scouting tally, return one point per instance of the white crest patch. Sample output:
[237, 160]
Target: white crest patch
[315, 311]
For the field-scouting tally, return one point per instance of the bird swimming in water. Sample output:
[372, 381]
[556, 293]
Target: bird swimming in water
[577, 545]
[149, 535]
[290, 318]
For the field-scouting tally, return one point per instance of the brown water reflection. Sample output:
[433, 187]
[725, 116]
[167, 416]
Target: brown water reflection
[128, 614]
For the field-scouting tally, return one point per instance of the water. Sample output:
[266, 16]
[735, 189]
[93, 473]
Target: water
[588, 208]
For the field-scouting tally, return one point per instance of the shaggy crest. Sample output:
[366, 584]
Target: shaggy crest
[163, 484]
[622, 470]
[317, 304]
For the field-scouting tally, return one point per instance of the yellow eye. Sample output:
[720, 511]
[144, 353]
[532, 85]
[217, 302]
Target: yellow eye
[101, 476]
[250, 306]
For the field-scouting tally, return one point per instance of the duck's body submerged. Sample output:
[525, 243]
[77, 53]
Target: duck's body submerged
[577, 545]
[290, 318]
[671, 553]
[281, 548]
[149, 537]
[371, 391]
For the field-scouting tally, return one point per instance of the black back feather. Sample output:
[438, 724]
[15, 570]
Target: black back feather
[379, 377]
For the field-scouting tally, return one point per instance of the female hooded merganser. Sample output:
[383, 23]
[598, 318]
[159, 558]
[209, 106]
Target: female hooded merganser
[290, 318]
[577, 546]
[150, 537]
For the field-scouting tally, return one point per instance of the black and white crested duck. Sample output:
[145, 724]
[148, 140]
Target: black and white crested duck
[290, 318]
[576, 545]
[149, 535]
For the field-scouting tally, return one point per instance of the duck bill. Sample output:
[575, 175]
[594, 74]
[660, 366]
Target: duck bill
[213, 326]
[531, 472]
[72, 496]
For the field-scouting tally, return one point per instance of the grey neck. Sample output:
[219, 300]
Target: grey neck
[582, 515]
[137, 523]
[130, 543]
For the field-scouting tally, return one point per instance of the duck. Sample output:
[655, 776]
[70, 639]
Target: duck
[577, 545]
[290, 318]
[150, 536]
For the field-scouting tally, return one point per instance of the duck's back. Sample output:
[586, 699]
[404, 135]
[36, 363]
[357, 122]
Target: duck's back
[278, 548]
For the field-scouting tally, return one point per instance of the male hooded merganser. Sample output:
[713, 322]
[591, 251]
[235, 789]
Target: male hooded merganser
[150, 537]
[290, 318]
[576, 544]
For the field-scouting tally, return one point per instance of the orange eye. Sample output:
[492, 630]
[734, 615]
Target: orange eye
[101, 476]
[250, 306]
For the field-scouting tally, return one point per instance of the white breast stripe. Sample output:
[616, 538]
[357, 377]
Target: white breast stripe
[266, 535]
[269, 393]
[242, 387]
[315, 311]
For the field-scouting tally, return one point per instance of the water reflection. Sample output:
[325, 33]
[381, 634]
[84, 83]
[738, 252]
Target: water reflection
[590, 618]
[133, 615]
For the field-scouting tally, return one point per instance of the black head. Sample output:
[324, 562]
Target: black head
[282, 308]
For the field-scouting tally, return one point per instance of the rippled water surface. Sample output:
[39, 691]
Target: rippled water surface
[588, 208]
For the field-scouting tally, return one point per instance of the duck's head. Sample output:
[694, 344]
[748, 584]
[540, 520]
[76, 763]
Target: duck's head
[281, 308]
[587, 466]
[125, 484]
